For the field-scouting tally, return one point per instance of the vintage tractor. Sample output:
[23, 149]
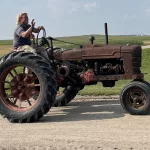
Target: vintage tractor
[30, 80]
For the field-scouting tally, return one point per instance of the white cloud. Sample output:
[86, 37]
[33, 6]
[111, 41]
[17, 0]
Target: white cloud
[125, 16]
[73, 10]
[56, 8]
[90, 6]
[59, 8]
[147, 11]
[129, 16]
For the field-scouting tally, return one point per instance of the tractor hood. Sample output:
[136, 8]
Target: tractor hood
[92, 52]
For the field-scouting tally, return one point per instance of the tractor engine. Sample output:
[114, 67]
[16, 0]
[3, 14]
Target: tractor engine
[108, 67]
[69, 71]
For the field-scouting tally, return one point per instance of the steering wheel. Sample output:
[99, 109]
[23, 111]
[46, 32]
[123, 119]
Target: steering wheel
[43, 37]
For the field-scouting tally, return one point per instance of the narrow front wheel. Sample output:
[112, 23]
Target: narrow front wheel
[135, 98]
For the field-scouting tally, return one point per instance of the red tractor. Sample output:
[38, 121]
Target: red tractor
[29, 81]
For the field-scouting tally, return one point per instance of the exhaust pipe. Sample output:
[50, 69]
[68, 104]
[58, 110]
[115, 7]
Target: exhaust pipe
[63, 71]
[106, 32]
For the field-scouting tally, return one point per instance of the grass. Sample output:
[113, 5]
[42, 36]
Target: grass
[100, 39]
[6, 42]
[140, 40]
[4, 49]
[6, 46]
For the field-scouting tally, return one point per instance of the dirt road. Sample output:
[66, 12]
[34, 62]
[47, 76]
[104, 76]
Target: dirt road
[146, 47]
[91, 124]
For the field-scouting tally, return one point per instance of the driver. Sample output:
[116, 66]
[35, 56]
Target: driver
[23, 32]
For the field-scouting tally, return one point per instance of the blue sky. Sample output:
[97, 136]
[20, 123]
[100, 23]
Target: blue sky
[78, 17]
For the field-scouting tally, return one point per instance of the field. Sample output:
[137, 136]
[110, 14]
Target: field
[139, 40]
[6, 46]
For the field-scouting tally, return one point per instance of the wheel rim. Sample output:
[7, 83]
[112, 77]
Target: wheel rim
[19, 88]
[136, 99]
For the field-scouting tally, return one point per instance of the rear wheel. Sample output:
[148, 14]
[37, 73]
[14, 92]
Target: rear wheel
[66, 96]
[135, 98]
[23, 99]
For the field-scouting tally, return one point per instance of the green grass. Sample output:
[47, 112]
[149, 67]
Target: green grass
[6, 42]
[100, 39]
[139, 40]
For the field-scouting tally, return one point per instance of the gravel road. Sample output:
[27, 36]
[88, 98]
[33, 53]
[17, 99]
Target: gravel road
[146, 47]
[87, 123]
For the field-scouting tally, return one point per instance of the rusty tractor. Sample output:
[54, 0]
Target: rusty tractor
[30, 80]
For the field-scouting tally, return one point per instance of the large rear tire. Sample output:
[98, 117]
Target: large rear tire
[21, 98]
[135, 98]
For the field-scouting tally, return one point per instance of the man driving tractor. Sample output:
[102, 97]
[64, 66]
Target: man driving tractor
[22, 42]
[23, 32]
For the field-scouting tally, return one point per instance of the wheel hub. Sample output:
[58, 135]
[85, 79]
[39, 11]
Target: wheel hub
[137, 99]
[21, 86]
